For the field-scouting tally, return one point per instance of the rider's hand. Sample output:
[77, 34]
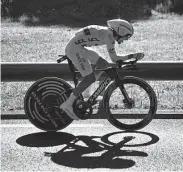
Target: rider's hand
[136, 56]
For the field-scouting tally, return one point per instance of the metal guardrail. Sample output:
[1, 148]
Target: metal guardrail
[161, 114]
[156, 70]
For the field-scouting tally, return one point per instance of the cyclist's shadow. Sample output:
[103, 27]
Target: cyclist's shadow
[95, 154]
[89, 151]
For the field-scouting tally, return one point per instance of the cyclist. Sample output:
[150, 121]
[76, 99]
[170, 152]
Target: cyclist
[118, 30]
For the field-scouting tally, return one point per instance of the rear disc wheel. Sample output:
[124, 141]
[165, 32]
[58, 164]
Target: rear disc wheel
[42, 102]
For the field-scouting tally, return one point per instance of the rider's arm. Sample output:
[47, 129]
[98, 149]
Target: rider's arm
[112, 53]
[114, 57]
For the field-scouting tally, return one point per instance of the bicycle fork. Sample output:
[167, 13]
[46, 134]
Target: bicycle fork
[128, 102]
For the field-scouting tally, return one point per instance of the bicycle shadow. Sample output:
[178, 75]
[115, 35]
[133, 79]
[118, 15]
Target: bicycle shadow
[95, 156]
[45, 139]
[88, 151]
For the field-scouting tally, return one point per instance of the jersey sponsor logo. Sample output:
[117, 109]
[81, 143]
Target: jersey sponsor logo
[92, 39]
[87, 31]
[80, 41]
[81, 60]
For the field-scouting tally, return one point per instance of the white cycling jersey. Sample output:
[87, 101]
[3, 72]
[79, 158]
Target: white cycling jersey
[89, 36]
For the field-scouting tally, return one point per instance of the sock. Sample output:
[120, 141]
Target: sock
[71, 99]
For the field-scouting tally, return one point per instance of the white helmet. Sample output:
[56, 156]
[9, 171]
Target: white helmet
[121, 27]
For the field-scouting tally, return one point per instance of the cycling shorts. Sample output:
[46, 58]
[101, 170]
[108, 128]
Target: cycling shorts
[81, 57]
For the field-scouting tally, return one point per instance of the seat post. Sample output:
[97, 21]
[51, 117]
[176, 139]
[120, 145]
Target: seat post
[72, 69]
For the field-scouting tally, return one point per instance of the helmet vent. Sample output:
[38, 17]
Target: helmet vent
[125, 27]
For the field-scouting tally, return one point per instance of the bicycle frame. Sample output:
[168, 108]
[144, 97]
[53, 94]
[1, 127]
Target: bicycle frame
[112, 74]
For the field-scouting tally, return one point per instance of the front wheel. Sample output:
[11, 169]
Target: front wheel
[130, 104]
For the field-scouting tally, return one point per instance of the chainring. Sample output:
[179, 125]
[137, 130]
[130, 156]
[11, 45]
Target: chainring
[82, 109]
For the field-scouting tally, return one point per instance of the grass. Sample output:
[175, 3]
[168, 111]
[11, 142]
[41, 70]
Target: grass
[160, 38]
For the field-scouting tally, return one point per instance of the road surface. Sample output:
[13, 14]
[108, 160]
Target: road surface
[92, 145]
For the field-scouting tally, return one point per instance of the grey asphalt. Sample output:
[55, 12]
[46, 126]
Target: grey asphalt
[92, 145]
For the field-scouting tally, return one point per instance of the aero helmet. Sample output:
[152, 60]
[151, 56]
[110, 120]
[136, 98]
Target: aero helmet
[121, 27]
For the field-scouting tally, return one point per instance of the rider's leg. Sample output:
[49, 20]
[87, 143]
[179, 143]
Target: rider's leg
[84, 67]
[99, 63]
[88, 79]
[85, 83]
[67, 105]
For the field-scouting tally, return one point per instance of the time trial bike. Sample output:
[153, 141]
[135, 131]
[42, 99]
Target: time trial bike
[131, 97]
